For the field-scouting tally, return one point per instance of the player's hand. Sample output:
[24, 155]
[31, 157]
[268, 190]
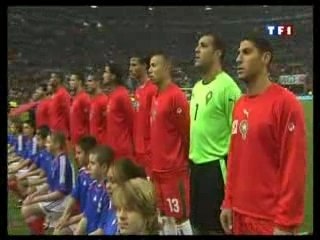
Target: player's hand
[28, 200]
[226, 220]
[62, 222]
[278, 231]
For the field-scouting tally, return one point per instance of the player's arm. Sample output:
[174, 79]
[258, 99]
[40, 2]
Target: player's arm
[230, 97]
[292, 168]
[30, 173]
[81, 228]
[181, 116]
[72, 199]
[64, 219]
[126, 105]
[103, 218]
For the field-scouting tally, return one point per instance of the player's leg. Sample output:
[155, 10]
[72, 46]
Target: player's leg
[207, 195]
[176, 204]
[34, 217]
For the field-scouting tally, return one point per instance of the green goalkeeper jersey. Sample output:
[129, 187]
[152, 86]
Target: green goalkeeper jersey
[211, 118]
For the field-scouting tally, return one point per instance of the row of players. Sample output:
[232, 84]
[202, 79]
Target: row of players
[175, 145]
[108, 197]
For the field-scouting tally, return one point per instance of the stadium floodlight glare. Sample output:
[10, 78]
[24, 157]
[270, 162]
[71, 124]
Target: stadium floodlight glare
[93, 6]
[208, 8]
[150, 8]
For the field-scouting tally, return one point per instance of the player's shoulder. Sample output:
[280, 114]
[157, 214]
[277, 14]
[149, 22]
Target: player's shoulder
[63, 157]
[284, 97]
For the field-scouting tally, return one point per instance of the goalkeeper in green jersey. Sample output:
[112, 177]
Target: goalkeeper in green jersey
[212, 101]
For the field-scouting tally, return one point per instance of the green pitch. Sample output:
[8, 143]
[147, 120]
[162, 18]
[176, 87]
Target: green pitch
[17, 227]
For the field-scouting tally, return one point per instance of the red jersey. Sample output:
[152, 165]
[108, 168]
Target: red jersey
[79, 116]
[141, 123]
[59, 111]
[170, 122]
[267, 161]
[97, 119]
[120, 122]
[42, 113]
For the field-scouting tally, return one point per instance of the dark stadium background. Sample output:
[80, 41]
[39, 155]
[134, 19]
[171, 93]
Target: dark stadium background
[41, 39]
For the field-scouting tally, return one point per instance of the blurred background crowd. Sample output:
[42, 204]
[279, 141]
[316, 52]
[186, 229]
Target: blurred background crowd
[46, 39]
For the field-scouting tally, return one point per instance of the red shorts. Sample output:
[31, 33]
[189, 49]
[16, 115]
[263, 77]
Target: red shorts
[247, 225]
[173, 194]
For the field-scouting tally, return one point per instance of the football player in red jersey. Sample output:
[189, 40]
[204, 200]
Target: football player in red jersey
[79, 110]
[267, 160]
[119, 116]
[144, 93]
[98, 109]
[170, 124]
[59, 105]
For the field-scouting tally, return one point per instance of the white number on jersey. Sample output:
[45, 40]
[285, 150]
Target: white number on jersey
[173, 205]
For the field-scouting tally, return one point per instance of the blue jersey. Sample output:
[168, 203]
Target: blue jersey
[30, 148]
[108, 220]
[80, 189]
[60, 177]
[97, 198]
[19, 145]
[43, 160]
[11, 139]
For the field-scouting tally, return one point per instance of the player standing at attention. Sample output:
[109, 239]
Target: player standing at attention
[119, 117]
[211, 106]
[267, 161]
[42, 114]
[98, 109]
[59, 106]
[142, 110]
[49, 200]
[79, 110]
[169, 147]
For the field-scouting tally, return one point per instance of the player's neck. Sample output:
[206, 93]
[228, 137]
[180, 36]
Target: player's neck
[59, 152]
[79, 90]
[210, 75]
[258, 86]
[164, 84]
[143, 80]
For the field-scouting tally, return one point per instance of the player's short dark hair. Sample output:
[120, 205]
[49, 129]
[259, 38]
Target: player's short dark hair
[141, 60]
[80, 76]
[87, 143]
[104, 155]
[43, 131]
[126, 169]
[262, 44]
[59, 138]
[58, 76]
[218, 43]
[17, 123]
[166, 58]
[30, 122]
[116, 70]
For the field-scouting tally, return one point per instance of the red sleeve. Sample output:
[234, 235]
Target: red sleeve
[85, 106]
[23, 108]
[64, 100]
[227, 202]
[181, 116]
[292, 172]
[126, 104]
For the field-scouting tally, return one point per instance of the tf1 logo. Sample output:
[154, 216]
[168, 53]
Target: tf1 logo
[280, 30]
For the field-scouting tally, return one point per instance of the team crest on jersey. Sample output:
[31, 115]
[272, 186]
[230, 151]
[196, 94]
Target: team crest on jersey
[179, 110]
[244, 127]
[208, 97]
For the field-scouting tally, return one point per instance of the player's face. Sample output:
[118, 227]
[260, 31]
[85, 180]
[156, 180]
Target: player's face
[49, 144]
[130, 221]
[204, 52]
[27, 130]
[73, 82]
[38, 94]
[49, 88]
[135, 68]
[91, 85]
[107, 76]
[96, 170]
[158, 69]
[53, 81]
[249, 61]
[81, 157]
[112, 182]
[41, 142]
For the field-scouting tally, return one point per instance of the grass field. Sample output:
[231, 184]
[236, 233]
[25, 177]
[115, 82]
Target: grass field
[17, 227]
